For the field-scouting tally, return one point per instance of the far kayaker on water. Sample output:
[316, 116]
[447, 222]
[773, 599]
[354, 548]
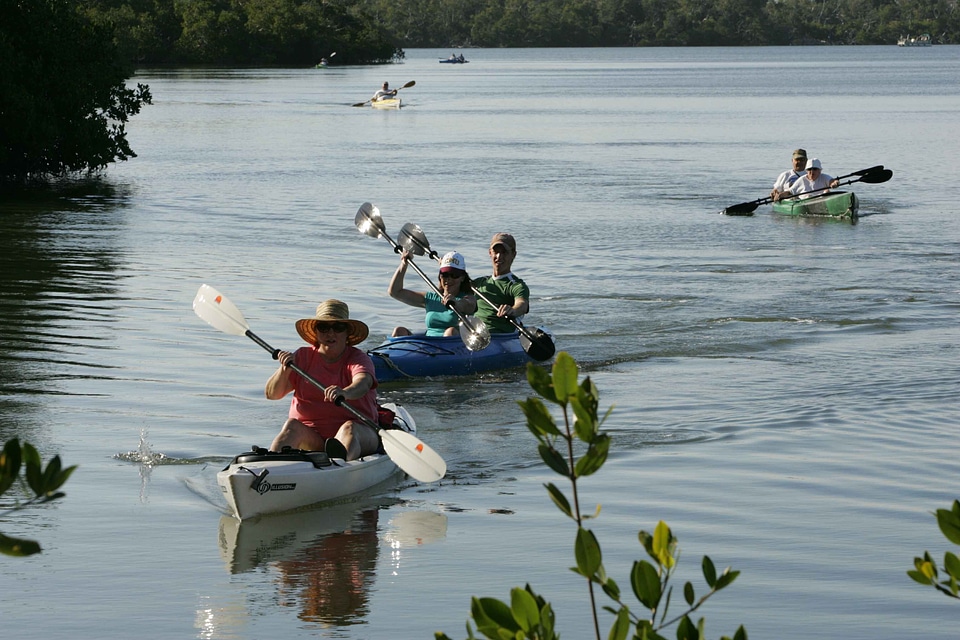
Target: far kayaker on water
[316, 422]
[384, 93]
[786, 179]
[506, 291]
[453, 282]
[814, 180]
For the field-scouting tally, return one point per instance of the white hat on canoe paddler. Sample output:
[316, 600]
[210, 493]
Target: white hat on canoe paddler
[335, 313]
[454, 262]
[813, 163]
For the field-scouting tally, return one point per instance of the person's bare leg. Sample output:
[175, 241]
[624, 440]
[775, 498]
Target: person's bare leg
[297, 435]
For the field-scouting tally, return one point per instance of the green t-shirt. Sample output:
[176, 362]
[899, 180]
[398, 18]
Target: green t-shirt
[503, 290]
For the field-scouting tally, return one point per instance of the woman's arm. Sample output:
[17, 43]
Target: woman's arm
[396, 290]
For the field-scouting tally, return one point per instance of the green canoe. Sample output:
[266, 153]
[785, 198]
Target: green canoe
[835, 204]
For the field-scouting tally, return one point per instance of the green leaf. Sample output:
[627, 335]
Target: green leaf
[10, 463]
[663, 543]
[524, 608]
[585, 423]
[920, 576]
[594, 458]
[539, 420]
[949, 521]
[646, 584]
[686, 630]
[564, 377]
[18, 546]
[951, 564]
[689, 594]
[491, 615]
[559, 499]
[726, 579]
[709, 571]
[587, 552]
[554, 459]
[621, 625]
[541, 382]
[611, 588]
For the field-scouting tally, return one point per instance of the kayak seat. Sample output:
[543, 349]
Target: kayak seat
[318, 459]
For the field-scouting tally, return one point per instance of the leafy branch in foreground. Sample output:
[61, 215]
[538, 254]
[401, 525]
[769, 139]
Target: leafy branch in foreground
[925, 569]
[528, 615]
[42, 482]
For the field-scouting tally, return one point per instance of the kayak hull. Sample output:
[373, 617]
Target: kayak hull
[389, 103]
[258, 482]
[421, 356]
[835, 204]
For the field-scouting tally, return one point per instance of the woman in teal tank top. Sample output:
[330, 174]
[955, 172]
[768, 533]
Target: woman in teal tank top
[453, 283]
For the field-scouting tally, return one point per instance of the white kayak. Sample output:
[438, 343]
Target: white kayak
[386, 103]
[260, 481]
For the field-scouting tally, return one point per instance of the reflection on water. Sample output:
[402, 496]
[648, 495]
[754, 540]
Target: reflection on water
[326, 559]
[58, 265]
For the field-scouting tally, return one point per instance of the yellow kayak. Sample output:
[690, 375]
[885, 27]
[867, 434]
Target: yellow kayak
[388, 103]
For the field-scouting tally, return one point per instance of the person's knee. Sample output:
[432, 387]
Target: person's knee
[400, 331]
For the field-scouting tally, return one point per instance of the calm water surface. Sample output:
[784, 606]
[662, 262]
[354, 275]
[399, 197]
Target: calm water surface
[785, 390]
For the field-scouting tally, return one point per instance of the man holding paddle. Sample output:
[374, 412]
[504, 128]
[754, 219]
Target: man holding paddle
[786, 179]
[384, 92]
[502, 295]
[814, 180]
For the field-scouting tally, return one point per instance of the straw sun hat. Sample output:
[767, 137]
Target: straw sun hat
[333, 311]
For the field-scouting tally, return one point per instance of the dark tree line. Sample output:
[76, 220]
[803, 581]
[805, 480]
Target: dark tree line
[589, 23]
[242, 32]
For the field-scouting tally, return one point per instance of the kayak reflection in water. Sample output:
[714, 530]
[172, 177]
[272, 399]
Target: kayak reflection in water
[332, 578]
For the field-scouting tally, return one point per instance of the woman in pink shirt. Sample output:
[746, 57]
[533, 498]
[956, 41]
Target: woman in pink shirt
[316, 420]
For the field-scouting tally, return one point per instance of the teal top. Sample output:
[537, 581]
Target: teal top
[503, 290]
[439, 318]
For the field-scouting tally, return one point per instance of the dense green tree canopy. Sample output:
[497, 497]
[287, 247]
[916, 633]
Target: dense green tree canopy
[63, 93]
[579, 23]
[242, 32]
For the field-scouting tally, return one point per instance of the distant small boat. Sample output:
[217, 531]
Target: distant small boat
[919, 41]
[834, 204]
[454, 60]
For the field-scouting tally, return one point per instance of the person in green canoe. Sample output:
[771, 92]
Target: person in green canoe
[786, 179]
[508, 293]
[814, 180]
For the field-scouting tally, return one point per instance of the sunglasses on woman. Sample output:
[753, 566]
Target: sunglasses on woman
[336, 327]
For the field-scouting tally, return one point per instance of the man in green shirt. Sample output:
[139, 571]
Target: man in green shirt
[507, 292]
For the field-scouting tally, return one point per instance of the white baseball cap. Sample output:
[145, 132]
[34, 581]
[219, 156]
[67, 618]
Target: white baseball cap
[452, 261]
[813, 163]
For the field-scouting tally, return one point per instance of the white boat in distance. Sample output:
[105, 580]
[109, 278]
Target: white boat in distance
[920, 41]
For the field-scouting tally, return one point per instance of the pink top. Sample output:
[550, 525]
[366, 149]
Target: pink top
[308, 404]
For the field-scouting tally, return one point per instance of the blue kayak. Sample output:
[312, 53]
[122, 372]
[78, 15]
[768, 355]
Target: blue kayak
[419, 356]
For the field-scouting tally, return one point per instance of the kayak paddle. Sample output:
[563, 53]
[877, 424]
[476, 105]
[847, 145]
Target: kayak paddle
[538, 345]
[473, 332]
[406, 86]
[406, 450]
[873, 175]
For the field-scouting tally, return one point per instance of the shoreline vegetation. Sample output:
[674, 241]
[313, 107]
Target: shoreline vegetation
[302, 32]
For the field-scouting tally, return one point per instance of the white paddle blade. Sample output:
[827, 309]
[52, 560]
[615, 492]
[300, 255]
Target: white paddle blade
[417, 459]
[474, 333]
[369, 222]
[217, 310]
[412, 239]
